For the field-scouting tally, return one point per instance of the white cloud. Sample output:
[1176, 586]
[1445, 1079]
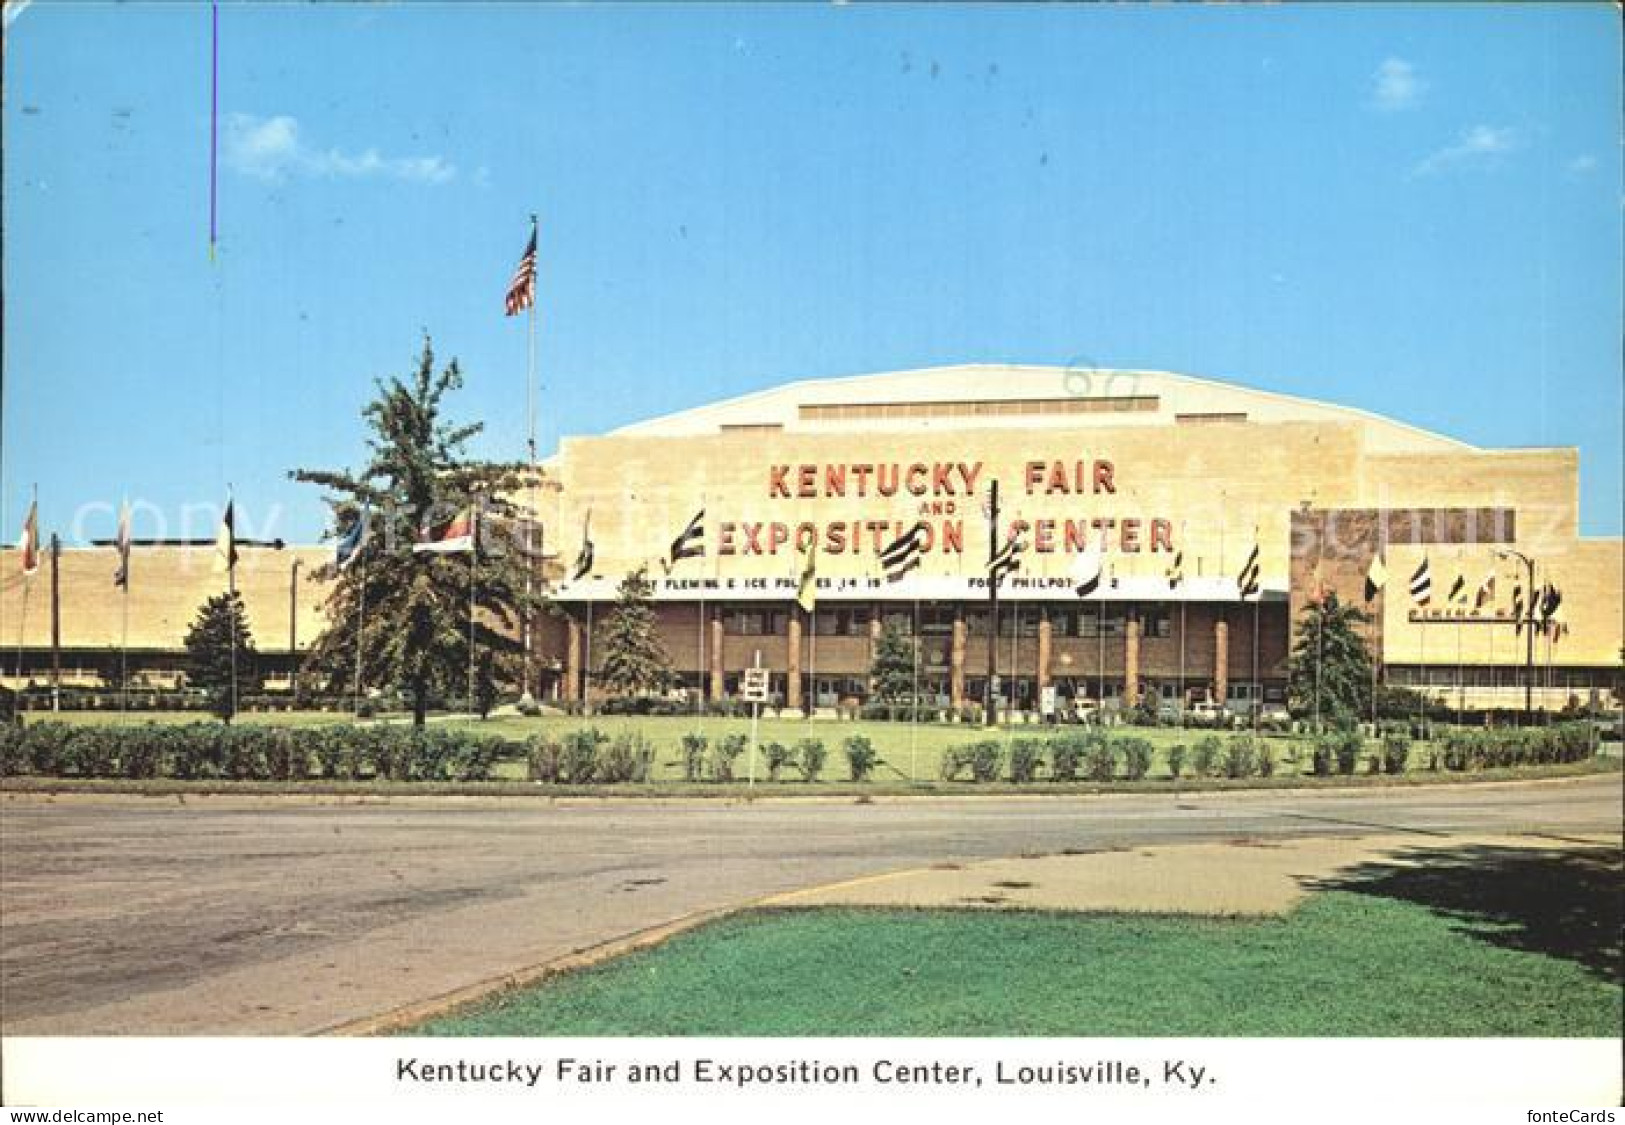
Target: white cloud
[271, 149]
[1396, 86]
[1478, 145]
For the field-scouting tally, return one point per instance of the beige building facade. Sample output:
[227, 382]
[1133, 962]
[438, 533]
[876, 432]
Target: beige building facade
[1167, 483]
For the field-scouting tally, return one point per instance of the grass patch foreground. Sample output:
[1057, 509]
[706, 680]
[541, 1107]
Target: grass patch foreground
[1346, 963]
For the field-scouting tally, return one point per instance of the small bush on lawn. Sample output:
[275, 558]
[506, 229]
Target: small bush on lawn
[694, 747]
[1137, 755]
[628, 757]
[1066, 756]
[1241, 757]
[1026, 755]
[1349, 743]
[1266, 760]
[809, 758]
[1205, 759]
[1100, 759]
[860, 757]
[578, 765]
[1176, 760]
[726, 753]
[777, 755]
[544, 759]
[986, 760]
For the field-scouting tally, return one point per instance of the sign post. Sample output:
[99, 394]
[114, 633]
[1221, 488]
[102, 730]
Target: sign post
[755, 695]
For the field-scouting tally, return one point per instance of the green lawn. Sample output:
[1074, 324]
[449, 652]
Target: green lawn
[1366, 960]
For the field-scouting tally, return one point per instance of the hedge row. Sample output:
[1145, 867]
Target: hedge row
[1500, 749]
[206, 751]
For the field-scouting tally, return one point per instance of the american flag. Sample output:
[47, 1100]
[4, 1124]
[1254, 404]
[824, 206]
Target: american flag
[522, 289]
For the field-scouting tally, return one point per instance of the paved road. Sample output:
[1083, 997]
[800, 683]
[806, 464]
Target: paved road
[227, 915]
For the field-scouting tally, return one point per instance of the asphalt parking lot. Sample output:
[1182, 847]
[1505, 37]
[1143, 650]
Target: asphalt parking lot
[292, 915]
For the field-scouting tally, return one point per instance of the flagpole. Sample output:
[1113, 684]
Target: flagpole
[124, 647]
[473, 563]
[812, 662]
[231, 588]
[360, 633]
[914, 719]
[586, 670]
[530, 446]
[22, 628]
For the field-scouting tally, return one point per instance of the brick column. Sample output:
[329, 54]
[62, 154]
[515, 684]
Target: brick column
[1045, 646]
[1131, 661]
[716, 654]
[572, 660]
[1221, 660]
[956, 665]
[792, 671]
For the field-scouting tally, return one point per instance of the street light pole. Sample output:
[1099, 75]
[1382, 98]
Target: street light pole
[990, 699]
[1529, 638]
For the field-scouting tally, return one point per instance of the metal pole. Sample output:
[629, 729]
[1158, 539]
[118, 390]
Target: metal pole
[293, 627]
[914, 714]
[755, 717]
[526, 629]
[124, 648]
[1529, 653]
[56, 624]
[586, 665]
[473, 562]
[1258, 686]
[360, 635]
[991, 704]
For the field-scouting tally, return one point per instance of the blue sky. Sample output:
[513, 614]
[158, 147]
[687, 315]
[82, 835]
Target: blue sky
[1411, 210]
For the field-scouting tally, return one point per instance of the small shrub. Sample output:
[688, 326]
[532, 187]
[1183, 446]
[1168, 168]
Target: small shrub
[627, 758]
[1176, 760]
[809, 758]
[1241, 757]
[986, 759]
[1205, 758]
[860, 757]
[954, 760]
[725, 754]
[1349, 743]
[1323, 755]
[694, 747]
[1026, 756]
[1137, 754]
[544, 759]
[578, 765]
[1266, 760]
[777, 755]
[1066, 756]
[1100, 759]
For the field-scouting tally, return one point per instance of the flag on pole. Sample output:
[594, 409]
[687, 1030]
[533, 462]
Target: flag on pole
[28, 543]
[1006, 561]
[121, 543]
[1458, 590]
[902, 554]
[583, 566]
[1087, 569]
[225, 541]
[807, 591]
[351, 542]
[690, 542]
[452, 537]
[1486, 592]
[1247, 580]
[1376, 577]
[1176, 570]
[522, 289]
[1550, 599]
[1422, 583]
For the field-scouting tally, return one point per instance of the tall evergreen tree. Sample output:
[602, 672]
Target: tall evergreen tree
[893, 665]
[1331, 663]
[415, 624]
[221, 622]
[635, 662]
